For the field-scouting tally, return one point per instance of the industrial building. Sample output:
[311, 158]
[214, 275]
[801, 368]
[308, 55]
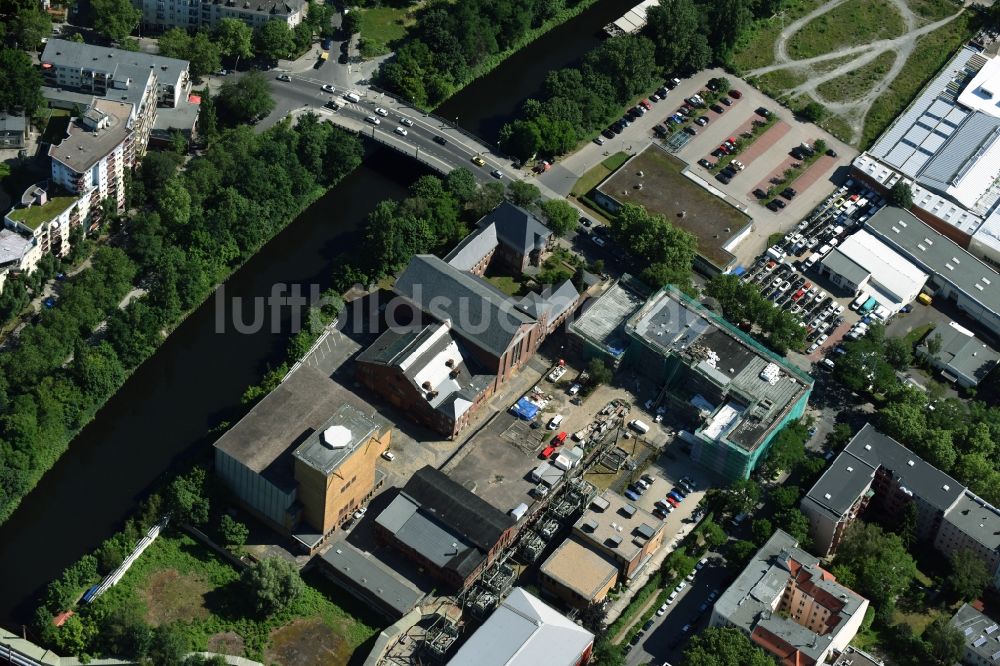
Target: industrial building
[621, 532]
[453, 338]
[450, 531]
[303, 460]
[790, 606]
[980, 636]
[524, 631]
[864, 263]
[734, 394]
[945, 147]
[875, 472]
[579, 575]
[955, 275]
[369, 580]
[960, 358]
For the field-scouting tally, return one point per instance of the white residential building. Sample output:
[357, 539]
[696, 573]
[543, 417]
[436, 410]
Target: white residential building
[195, 14]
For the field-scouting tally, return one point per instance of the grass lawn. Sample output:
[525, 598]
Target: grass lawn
[506, 284]
[597, 174]
[177, 580]
[856, 83]
[853, 22]
[838, 127]
[916, 335]
[932, 52]
[380, 27]
[756, 49]
[776, 83]
[933, 10]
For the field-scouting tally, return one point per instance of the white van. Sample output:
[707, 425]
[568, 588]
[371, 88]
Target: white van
[639, 426]
[352, 97]
[555, 422]
[813, 258]
[860, 300]
[826, 248]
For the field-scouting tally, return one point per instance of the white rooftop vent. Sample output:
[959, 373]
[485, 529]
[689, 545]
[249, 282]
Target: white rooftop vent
[946, 487]
[828, 496]
[949, 266]
[986, 280]
[910, 463]
[850, 469]
[868, 447]
[337, 437]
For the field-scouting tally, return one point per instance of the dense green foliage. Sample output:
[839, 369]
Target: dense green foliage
[666, 251]
[20, 83]
[969, 575]
[901, 195]
[726, 646]
[875, 564]
[246, 99]
[576, 102]
[273, 584]
[743, 303]
[218, 213]
[23, 24]
[201, 49]
[560, 216]
[114, 20]
[451, 42]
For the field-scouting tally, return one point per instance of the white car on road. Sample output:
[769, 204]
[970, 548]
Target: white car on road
[405, 121]
[328, 88]
[373, 120]
[380, 111]
[401, 131]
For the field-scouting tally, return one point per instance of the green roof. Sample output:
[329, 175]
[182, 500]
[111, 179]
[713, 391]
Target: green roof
[33, 216]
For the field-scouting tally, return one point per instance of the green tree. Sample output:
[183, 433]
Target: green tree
[115, 19]
[901, 195]
[523, 193]
[934, 344]
[788, 448]
[742, 496]
[24, 24]
[726, 646]
[20, 83]
[487, 198]
[521, 138]
[813, 112]
[599, 371]
[186, 499]
[879, 563]
[730, 20]
[274, 40]
[560, 216]
[740, 552]
[898, 354]
[945, 643]
[234, 38]
[272, 584]
[168, 645]
[762, 529]
[675, 28]
[796, 524]
[247, 99]
[205, 54]
[713, 534]
[233, 532]
[175, 203]
[667, 250]
[351, 24]
[969, 575]
[784, 497]
[461, 183]
[174, 43]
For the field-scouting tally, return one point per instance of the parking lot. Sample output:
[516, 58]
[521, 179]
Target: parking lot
[788, 275]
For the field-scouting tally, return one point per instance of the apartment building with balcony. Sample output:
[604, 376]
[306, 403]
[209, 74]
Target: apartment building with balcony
[75, 74]
[194, 14]
[91, 161]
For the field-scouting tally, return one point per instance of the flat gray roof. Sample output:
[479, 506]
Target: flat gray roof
[603, 321]
[617, 526]
[286, 417]
[366, 573]
[134, 66]
[980, 633]
[938, 255]
[851, 473]
[839, 263]
[334, 442]
[12, 246]
[965, 353]
[973, 516]
[82, 149]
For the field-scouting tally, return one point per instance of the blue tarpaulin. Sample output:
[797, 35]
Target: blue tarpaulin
[739, 270]
[526, 409]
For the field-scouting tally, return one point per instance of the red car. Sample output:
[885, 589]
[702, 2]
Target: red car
[735, 94]
[546, 452]
[799, 294]
[645, 103]
[674, 503]
[559, 439]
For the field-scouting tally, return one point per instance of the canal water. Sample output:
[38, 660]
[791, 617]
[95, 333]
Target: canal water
[194, 381]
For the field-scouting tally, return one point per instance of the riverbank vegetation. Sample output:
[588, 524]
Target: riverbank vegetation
[191, 229]
[452, 44]
[577, 102]
[181, 595]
